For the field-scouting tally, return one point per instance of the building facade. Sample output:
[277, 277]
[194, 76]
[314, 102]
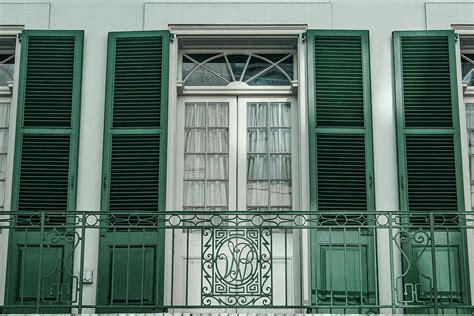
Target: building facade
[269, 156]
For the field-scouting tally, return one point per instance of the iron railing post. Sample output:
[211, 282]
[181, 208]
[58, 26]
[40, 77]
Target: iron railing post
[433, 262]
[81, 261]
[40, 268]
[392, 265]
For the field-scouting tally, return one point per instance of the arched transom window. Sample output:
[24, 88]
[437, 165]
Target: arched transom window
[237, 69]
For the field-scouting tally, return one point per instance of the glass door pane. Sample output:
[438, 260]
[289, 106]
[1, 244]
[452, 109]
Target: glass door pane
[206, 156]
[268, 156]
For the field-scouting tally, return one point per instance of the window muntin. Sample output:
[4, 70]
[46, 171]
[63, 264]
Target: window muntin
[251, 69]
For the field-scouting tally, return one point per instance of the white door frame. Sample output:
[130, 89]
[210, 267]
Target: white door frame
[190, 269]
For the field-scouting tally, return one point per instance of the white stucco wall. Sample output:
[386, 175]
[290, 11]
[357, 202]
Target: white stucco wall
[99, 17]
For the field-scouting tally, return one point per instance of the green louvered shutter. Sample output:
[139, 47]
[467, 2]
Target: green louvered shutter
[428, 121]
[341, 164]
[429, 157]
[44, 177]
[134, 169]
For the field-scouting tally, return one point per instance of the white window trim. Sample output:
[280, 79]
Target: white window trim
[223, 30]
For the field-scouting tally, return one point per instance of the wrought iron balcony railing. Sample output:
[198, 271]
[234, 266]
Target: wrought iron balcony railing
[60, 262]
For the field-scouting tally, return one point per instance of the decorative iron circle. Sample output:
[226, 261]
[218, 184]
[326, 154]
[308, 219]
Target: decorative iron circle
[174, 220]
[341, 219]
[91, 220]
[382, 220]
[216, 220]
[257, 220]
[299, 220]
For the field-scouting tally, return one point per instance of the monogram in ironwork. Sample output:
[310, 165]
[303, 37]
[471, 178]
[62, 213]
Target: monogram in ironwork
[237, 267]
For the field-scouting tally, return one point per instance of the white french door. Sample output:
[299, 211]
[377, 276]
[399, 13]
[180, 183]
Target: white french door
[234, 153]
[237, 153]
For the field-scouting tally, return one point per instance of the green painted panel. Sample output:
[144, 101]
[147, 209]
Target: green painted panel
[51, 284]
[41, 279]
[344, 270]
[133, 272]
[345, 267]
[448, 276]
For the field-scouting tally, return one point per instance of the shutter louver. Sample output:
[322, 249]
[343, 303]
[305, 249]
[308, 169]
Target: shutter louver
[341, 172]
[338, 79]
[427, 121]
[426, 82]
[340, 121]
[135, 172]
[44, 173]
[49, 81]
[431, 173]
[137, 85]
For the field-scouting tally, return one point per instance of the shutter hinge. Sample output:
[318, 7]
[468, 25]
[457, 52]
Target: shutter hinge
[171, 37]
[19, 37]
[456, 37]
[73, 181]
[402, 183]
[303, 37]
[104, 182]
[371, 182]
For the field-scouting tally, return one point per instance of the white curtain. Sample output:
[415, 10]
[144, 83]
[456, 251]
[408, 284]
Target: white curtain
[268, 156]
[206, 156]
